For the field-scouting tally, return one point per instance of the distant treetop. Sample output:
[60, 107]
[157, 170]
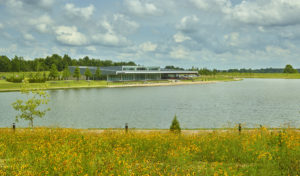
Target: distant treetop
[289, 69]
[18, 64]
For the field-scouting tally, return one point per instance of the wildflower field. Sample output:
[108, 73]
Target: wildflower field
[46, 151]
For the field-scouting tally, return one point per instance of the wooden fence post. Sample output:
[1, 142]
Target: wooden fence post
[126, 127]
[14, 127]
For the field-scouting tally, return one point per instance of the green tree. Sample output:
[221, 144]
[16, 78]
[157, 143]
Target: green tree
[76, 73]
[289, 69]
[5, 64]
[175, 126]
[204, 71]
[16, 64]
[98, 73]
[53, 72]
[214, 72]
[30, 108]
[87, 73]
[66, 73]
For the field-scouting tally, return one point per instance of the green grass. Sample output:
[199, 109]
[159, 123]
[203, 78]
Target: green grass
[46, 151]
[261, 75]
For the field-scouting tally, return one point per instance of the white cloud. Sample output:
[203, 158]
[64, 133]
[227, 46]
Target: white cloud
[91, 48]
[46, 3]
[267, 12]
[1, 26]
[232, 39]
[148, 46]
[85, 12]
[142, 8]
[277, 50]
[70, 36]
[256, 12]
[109, 39]
[188, 23]
[28, 36]
[213, 5]
[14, 3]
[10, 49]
[179, 53]
[179, 37]
[122, 24]
[43, 23]
[114, 30]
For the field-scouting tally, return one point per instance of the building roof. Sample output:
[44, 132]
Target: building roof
[115, 70]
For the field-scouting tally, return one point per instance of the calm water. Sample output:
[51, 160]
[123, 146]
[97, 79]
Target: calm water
[270, 102]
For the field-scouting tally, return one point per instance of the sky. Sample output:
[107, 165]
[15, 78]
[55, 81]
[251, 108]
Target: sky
[218, 34]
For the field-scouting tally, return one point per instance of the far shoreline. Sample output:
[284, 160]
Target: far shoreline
[128, 84]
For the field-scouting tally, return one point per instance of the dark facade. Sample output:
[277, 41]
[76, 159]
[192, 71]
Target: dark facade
[135, 73]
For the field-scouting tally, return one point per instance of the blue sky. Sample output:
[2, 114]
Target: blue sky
[218, 34]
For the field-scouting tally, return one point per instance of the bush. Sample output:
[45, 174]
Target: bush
[15, 79]
[175, 126]
[37, 80]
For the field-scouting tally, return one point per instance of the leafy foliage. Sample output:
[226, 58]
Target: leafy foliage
[15, 78]
[18, 64]
[30, 108]
[98, 74]
[289, 69]
[53, 72]
[76, 73]
[175, 126]
[87, 73]
[66, 73]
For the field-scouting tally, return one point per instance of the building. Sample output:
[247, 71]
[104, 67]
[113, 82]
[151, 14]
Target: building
[136, 73]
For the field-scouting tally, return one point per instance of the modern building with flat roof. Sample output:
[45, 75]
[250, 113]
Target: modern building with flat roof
[135, 73]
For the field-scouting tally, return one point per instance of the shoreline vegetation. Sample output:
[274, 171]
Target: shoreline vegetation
[259, 151]
[6, 86]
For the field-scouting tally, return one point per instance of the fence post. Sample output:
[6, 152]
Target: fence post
[126, 127]
[14, 127]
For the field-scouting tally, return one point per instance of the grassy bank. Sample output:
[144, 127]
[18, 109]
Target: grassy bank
[260, 75]
[70, 152]
[68, 84]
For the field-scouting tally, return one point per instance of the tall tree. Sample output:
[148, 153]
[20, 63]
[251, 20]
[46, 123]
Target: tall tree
[5, 64]
[87, 73]
[30, 108]
[67, 61]
[76, 73]
[16, 64]
[98, 74]
[53, 72]
[66, 73]
[289, 69]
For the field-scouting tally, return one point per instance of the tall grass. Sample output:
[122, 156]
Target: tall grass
[45, 151]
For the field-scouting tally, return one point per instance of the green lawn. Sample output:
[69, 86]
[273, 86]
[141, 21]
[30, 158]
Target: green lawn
[261, 75]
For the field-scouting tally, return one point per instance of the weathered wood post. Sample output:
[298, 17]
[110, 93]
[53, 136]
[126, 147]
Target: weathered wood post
[240, 128]
[14, 127]
[126, 127]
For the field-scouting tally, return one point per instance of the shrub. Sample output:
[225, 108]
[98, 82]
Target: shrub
[15, 79]
[175, 126]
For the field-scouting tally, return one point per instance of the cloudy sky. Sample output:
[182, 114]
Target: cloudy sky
[218, 34]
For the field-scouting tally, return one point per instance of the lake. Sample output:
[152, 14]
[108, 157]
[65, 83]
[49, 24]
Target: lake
[252, 102]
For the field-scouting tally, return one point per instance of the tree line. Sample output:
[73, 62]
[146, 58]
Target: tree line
[288, 69]
[19, 64]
